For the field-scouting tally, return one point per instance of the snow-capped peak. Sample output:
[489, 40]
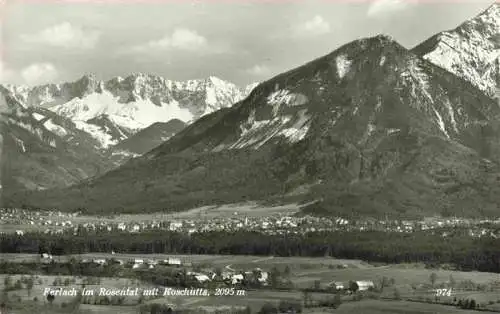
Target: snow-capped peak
[134, 102]
[471, 51]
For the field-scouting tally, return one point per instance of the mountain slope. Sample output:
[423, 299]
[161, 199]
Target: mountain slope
[371, 119]
[471, 51]
[42, 150]
[150, 137]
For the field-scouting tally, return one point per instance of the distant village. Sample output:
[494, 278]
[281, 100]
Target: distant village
[58, 222]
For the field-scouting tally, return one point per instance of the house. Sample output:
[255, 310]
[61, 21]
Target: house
[336, 285]
[263, 277]
[99, 261]
[135, 266]
[173, 261]
[19, 232]
[364, 285]
[138, 261]
[117, 261]
[136, 228]
[152, 262]
[175, 226]
[201, 277]
[121, 226]
[226, 275]
[237, 278]
[46, 256]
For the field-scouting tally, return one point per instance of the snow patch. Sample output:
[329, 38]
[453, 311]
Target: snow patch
[343, 65]
[106, 140]
[20, 143]
[54, 128]
[440, 122]
[299, 130]
[382, 61]
[133, 115]
[371, 128]
[451, 114]
[471, 51]
[379, 104]
[38, 116]
[284, 97]
[257, 133]
[420, 77]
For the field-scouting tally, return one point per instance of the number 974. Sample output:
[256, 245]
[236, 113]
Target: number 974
[443, 292]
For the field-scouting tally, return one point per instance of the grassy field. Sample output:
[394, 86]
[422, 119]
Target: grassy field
[304, 272]
[400, 275]
[43, 282]
[236, 261]
[395, 307]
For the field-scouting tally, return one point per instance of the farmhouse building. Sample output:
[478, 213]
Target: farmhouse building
[364, 285]
[337, 285]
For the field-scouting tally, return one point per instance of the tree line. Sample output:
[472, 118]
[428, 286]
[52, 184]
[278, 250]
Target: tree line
[461, 251]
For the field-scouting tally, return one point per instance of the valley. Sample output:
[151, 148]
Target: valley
[362, 181]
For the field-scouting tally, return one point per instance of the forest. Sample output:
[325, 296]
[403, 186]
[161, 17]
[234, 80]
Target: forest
[461, 251]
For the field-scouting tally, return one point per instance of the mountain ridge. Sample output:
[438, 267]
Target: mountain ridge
[129, 104]
[370, 127]
[471, 50]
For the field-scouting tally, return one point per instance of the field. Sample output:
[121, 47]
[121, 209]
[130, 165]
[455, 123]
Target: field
[305, 270]
[396, 307]
[303, 273]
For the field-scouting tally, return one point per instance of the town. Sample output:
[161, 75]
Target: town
[53, 222]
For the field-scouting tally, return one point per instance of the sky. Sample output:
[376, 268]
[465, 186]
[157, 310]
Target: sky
[241, 41]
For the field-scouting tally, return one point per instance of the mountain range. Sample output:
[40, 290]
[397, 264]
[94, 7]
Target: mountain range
[56, 135]
[372, 128]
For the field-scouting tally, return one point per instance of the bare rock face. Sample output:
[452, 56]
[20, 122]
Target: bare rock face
[471, 51]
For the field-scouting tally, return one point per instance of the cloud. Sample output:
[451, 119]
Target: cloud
[65, 35]
[6, 74]
[182, 39]
[39, 73]
[259, 70]
[381, 8]
[315, 27]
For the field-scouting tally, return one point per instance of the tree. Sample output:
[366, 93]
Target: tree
[268, 308]
[472, 304]
[317, 284]
[337, 301]
[433, 278]
[287, 306]
[287, 272]
[384, 282]
[353, 286]
[452, 282]
[397, 294]
[307, 298]
[7, 282]
[29, 285]
[141, 298]
[50, 298]
[274, 277]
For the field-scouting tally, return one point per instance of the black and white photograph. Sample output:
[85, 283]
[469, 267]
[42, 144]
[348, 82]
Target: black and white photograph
[249, 156]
